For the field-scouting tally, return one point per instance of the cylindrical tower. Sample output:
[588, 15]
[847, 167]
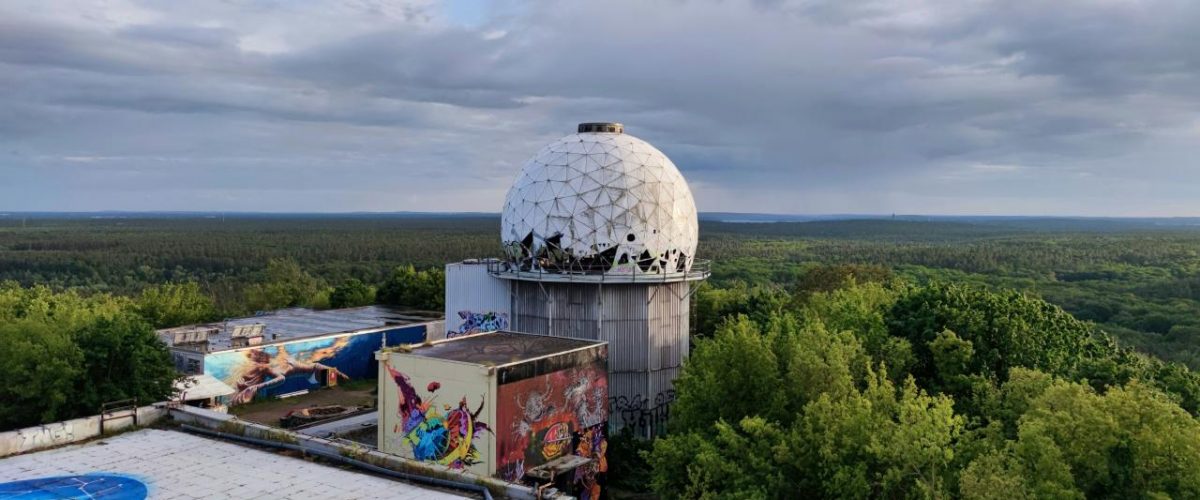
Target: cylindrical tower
[600, 236]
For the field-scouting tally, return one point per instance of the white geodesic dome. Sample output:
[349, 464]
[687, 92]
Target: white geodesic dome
[600, 202]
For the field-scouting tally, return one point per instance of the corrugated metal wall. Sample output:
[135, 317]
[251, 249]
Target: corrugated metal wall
[470, 290]
[624, 326]
[530, 308]
[646, 326]
[668, 325]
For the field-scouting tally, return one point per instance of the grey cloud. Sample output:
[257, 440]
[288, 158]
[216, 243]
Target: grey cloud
[770, 105]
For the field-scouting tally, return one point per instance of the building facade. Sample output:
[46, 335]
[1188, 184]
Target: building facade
[599, 232]
[294, 350]
[502, 404]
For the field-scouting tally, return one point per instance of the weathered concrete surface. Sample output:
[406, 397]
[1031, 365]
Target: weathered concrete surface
[176, 465]
[45, 436]
[230, 424]
[342, 426]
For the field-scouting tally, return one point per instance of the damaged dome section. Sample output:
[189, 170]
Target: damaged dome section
[600, 202]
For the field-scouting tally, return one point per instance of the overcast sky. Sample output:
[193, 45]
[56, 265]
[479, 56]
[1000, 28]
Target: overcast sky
[958, 107]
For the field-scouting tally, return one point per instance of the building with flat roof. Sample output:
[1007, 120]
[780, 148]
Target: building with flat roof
[520, 407]
[295, 349]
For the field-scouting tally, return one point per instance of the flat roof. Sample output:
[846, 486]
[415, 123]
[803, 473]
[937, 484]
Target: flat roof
[499, 348]
[298, 322]
[170, 464]
[202, 386]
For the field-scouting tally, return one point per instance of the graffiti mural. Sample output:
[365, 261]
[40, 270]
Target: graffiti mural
[549, 416]
[447, 435]
[98, 486]
[306, 364]
[475, 322]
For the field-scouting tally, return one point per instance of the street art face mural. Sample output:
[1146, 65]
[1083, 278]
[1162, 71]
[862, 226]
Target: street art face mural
[98, 486]
[478, 322]
[307, 364]
[549, 416]
[447, 436]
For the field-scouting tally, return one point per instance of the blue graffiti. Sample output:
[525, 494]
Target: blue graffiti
[99, 486]
[473, 322]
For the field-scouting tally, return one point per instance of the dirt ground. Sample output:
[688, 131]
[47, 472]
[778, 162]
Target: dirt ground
[268, 412]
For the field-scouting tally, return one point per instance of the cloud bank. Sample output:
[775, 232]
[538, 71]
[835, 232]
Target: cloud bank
[948, 107]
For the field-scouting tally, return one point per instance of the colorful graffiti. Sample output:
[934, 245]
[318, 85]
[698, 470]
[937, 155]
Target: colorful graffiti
[447, 436]
[98, 486]
[474, 322]
[590, 479]
[549, 416]
[306, 364]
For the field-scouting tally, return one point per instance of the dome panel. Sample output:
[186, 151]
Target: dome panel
[587, 199]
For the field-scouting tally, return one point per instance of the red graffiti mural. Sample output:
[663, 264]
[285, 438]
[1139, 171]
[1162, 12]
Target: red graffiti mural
[546, 417]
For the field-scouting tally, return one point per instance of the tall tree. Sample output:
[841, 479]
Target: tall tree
[407, 286]
[175, 304]
[40, 366]
[122, 358]
[352, 293]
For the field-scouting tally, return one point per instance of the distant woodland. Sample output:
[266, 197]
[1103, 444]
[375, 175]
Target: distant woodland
[991, 359]
[1139, 282]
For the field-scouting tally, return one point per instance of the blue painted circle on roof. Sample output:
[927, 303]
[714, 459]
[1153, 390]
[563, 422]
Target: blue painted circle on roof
[99, 486]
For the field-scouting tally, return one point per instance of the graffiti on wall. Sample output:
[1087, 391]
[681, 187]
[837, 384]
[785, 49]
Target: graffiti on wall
[447, 435]
[549, 416]
[478, 322]
[306, 364]
[98, 486]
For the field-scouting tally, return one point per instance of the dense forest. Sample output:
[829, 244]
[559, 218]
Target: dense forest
[895, 390]
[1138, 280]
[843, 359]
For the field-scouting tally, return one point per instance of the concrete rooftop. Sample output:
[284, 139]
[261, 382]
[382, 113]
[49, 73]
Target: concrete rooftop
[499, 348]
[176, 465]
[299, 322]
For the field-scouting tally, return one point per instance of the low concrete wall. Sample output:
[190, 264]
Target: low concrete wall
[230, 424]
[71, 431]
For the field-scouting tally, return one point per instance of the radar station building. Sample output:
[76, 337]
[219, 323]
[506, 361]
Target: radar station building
[599, 232]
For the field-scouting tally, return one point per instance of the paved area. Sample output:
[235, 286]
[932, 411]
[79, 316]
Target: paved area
[175, 465]
[342, 426]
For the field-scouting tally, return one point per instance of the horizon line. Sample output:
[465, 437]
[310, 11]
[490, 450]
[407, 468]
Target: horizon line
[816, 216]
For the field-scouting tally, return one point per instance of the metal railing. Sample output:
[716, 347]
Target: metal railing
[116, 410]
[700, 269]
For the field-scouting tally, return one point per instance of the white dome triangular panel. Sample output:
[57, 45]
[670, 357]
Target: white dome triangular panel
[601, 192]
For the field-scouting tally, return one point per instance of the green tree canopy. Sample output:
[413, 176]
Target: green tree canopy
[934, 391]
[352, 293]
[285, 284]
[65, 354]
[122, 359]
[41, 366]
[175, 304]
[407, 286]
